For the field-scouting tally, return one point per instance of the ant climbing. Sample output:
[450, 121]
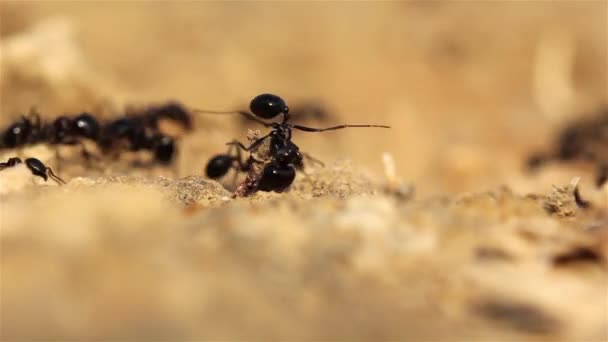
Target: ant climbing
[273, 158]
[35, 166]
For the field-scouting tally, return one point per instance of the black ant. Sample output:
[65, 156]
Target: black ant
[69, 130]
[583, 140]
[141, 131]
[136, 137]
[63, 130]
[36, 167]
[273, 158]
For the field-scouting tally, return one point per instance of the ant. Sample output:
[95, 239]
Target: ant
[141, 131]
[36, 167]
[274, 157]
[63, 130]
[27, 130]
[137, 136]
[581, 140]
[69, 131]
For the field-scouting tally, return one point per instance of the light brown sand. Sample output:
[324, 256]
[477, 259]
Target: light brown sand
[483, 250]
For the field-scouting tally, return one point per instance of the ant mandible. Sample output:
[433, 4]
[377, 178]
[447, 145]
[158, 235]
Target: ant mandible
[35, 166]
[274, 157]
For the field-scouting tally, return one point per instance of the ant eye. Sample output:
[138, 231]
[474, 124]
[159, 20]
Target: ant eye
[268, 106]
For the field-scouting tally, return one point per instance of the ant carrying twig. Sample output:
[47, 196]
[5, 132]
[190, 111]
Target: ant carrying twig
[274, 157]
[35, 166]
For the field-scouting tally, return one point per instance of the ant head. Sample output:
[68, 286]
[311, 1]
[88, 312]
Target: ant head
[268, 106]
[87, 126]
[17, 134]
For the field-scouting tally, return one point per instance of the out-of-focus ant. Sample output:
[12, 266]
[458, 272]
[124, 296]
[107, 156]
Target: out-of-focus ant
[133, 135]
[141, 131]
[35, 166]
[273, 158]
[70, 130]
[26, 130]
[582, 140]
[62, 130]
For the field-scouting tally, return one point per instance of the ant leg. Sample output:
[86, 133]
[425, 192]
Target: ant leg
[10, 163]
[313, 159]
[54, 177]
[251, 147]
[236, 144]
[244, 166]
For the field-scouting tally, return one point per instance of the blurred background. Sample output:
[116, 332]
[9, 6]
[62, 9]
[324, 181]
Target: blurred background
[471, 89]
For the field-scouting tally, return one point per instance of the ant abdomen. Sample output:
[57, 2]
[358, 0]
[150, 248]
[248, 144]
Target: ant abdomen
[37, 168]
[276, 178]
[218, 166]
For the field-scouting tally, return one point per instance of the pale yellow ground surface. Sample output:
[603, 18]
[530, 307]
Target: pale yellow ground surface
[470, 89]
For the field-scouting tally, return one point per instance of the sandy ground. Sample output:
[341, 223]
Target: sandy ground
[461, 243]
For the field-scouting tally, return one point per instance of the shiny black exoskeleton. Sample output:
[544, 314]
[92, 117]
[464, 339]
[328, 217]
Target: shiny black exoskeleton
[284, 155]
[62, 130]
[70, 130]
[582, 140]
[171, 111]
[135, 135]
[35, 166]
[27, 130]
[219, 165]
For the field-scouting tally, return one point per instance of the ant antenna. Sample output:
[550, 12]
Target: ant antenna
[243, 113]
[54, 176]
[311, 129]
